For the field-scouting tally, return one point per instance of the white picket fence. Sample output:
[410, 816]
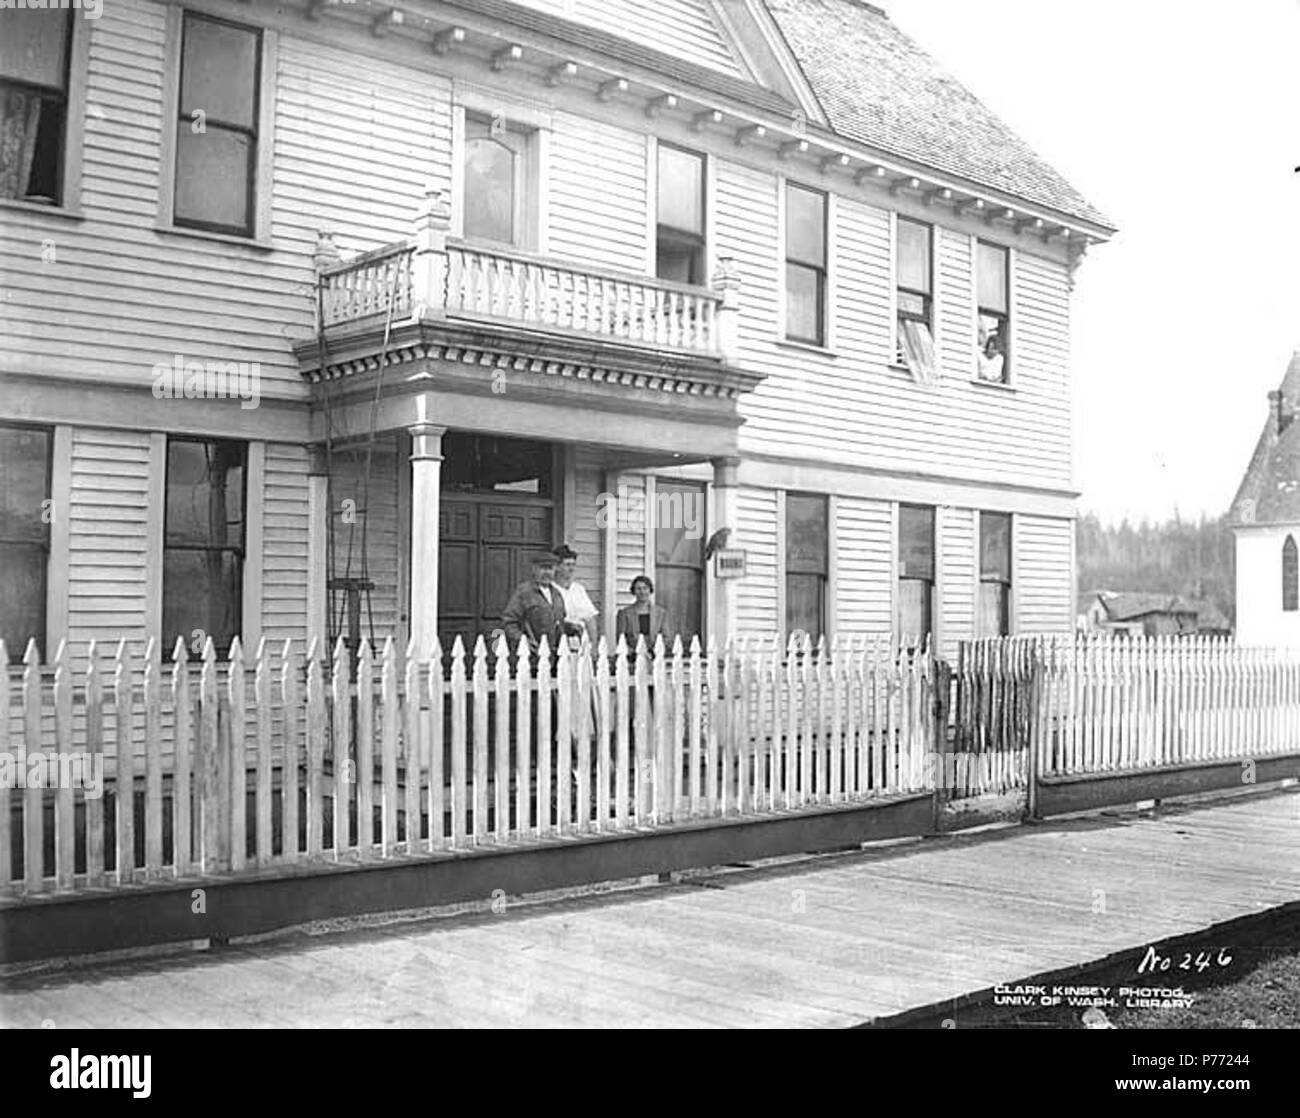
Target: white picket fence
[1111, 705]
[236, 765]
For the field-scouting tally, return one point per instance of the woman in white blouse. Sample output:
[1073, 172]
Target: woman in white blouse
[578, 605]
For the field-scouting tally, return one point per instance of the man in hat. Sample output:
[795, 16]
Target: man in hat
[536, 608]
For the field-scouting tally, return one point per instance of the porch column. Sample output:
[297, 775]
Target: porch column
[318, 529]
[726, 510]
[426, 480]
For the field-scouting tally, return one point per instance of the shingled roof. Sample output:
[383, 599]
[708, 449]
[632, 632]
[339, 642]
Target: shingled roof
[1270, 491]
[879, 88]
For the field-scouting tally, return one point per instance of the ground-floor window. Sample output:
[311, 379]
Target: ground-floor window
[25, 515]
[203, 542]
[994, 614]
[679, 555]
[807, 563]
[915, 572]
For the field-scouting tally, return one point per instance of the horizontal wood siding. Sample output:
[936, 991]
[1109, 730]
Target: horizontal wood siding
[848, 405]
[380, 559]
[756, 594]
[957, 574]
[355, 142]
[284, 544]
[864, 566]
[1042, 575]
[108, 559]
[955, 299]
[683, 28]
[597, 194]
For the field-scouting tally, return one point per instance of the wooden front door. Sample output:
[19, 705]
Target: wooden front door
[484, 549]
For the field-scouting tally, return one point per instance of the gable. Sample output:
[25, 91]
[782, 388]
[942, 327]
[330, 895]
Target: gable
[686, 29]
[1269, 492]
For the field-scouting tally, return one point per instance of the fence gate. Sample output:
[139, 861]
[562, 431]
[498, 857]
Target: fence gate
[990, 720]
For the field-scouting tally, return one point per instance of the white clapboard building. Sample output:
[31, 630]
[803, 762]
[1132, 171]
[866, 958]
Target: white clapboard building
[320, 316]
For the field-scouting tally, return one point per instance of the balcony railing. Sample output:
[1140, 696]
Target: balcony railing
[501, 285]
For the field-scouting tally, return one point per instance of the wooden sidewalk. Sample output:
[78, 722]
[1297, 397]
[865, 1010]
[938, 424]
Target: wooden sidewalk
[826, 942]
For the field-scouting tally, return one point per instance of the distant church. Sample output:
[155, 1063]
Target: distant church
[1265, 517]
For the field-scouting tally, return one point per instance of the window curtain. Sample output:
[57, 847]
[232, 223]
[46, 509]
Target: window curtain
[918, 351]
[20, 117]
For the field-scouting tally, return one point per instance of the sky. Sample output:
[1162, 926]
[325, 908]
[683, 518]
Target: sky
[1180, 120]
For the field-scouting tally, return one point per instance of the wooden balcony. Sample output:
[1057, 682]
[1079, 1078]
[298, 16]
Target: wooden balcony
[488, 285]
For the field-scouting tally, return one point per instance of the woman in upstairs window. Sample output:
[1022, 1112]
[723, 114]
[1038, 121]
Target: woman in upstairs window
[643, 618]
[992, 350]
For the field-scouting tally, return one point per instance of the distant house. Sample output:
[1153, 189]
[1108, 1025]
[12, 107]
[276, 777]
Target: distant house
[1149, 614]
[1265, 516]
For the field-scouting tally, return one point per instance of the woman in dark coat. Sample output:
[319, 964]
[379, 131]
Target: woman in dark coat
[643, 618]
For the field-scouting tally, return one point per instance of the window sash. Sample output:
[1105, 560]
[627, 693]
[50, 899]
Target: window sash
[668, 207]
[807, 522]
[61, 65]
[799, 226]
[184, 119]
[22, 616]
[916, 542]
[805, 603]
[794, 320]
[913, 269]
[1290, 576]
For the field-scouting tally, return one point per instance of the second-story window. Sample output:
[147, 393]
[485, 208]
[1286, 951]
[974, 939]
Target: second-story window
[495, 180]
[203, 542]
[807, 563]
[914, 285]
[994, 619]
[216, 131]
[805, 264]
[915, 572]
[24, 535]
[992, 278]
[34, 47]
[679, 241]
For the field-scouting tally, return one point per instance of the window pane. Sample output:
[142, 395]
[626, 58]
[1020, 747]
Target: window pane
[681, 189]
[993, 620]
[992, 351]
[913, 306]
[201, 594]
[913, 610]
[679, 260]
[915, 542]
[219, 72]
[679, 538]
[24, 484]
[913, 255]
[995, 546]
[805, 533]
[205, 494]
[31, 145]
[680, 591]
[490, 190]
[804, 604]
[488, 464]
[805, 226]
[22, 597]
[34, 45]
[212, 182]
[803, 303]
[1290, 575]
[992, 277]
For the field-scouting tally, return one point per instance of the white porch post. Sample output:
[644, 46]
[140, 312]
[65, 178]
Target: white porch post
[726, 514]
[426, 480]
[726, 282]
[429, 264]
